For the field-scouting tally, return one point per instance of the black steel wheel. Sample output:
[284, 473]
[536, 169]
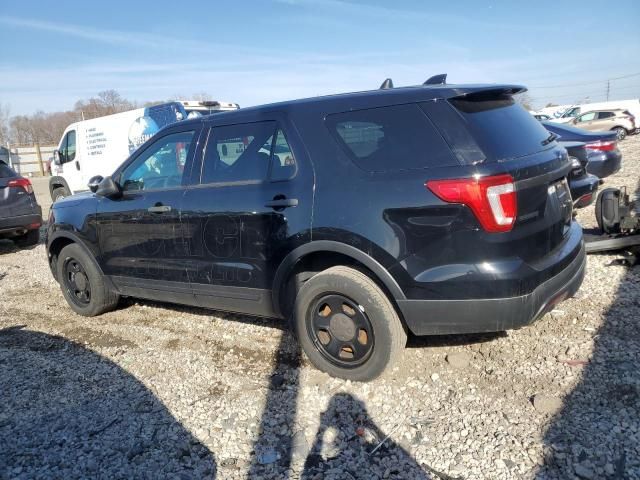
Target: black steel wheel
[77, 282]
[341, 330]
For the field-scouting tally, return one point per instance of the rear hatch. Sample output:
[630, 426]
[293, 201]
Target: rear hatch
[14, 200]
[492, 135]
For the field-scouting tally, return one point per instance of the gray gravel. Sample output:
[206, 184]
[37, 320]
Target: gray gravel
[161, 391]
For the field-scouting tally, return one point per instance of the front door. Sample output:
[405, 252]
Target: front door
[140, 234]
[252, 206]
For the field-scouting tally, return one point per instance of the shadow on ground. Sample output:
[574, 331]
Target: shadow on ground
[67, 412]
[596, 435]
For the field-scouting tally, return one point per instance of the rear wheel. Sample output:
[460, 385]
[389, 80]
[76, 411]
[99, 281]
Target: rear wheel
[82, 283]
[621, 133]
[347, 326]
[29, 239]
[59, 193]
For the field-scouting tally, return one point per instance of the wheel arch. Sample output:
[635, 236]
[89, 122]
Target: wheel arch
[327, 253]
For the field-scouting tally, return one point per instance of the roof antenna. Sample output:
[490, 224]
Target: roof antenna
[439, 79]
[388, 83]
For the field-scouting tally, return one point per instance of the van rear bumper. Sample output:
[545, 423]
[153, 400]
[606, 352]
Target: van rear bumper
[440, 317]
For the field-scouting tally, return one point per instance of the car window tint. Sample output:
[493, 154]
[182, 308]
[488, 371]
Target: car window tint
[5, 171]
[238, 153]
[399, 137]
[160, 165]
[283, 163]
[603, 115]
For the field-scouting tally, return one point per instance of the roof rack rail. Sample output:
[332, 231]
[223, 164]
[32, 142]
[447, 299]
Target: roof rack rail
[388, 83]
[439, 79]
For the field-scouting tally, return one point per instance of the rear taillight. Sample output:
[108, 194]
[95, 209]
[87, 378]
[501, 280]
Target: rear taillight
[23, 183]
[492, 199]
[607, 146]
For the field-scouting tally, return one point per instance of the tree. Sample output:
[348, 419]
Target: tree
[4, 124]
[107, 102]
[550, 104]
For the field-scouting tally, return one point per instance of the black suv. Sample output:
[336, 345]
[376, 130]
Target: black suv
[433, 209]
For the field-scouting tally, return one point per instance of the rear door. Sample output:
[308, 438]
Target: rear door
[252, 206]
[140, 233]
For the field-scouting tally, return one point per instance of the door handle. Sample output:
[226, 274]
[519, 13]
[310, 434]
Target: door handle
[159, 209]
[282, 203]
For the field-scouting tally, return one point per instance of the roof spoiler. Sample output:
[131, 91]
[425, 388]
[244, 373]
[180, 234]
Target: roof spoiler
[439, 79]
[388, 83]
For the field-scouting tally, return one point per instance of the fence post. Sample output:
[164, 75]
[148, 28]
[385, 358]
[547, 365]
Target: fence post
[9, 153]
[39, 157]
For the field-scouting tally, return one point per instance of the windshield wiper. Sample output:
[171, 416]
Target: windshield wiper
[549, 139]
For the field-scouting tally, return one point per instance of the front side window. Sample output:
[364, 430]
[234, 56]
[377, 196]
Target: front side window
[238, 153]
[71, 146]
[398, 137]
[161, 165]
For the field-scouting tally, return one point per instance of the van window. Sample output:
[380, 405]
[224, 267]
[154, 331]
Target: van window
[71, 146]
[238, 153]
[398, 137]
[160, 165]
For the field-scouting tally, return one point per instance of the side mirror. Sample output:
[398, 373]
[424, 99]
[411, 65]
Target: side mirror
[56, 157]
[94, 183]
[108, 187]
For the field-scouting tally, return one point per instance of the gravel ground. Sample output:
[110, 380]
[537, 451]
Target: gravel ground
[161, 391]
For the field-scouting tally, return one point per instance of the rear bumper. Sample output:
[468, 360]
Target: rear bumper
[603, 164]
[437, 317]
[18, 225]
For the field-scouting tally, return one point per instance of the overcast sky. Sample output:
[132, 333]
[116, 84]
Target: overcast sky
[252, 52]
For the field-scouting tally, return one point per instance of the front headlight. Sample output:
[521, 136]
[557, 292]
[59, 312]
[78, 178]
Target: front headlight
[575, 163]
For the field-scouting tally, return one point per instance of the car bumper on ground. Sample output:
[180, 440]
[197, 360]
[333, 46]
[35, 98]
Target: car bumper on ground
[12, 226]
[583, 189]
[603, 164]
[438, 317]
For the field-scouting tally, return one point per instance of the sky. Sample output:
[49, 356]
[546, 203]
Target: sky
[252, 52]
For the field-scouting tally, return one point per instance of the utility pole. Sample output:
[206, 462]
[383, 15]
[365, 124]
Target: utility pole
[608, 81]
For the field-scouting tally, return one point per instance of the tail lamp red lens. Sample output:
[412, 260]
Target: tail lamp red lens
[23, 183]
[492, 199]
[602, 146]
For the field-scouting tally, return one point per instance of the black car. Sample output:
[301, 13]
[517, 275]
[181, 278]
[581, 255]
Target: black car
[583, 185]
[20, 214]
[602, 147]
[433, 209]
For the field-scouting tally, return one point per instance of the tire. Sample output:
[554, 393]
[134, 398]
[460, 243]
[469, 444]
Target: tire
[29, 239]
[59, 193]
[362, 322]
[73, 282]
[621, 133]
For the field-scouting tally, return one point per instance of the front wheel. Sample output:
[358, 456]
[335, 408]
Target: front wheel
[621, 133]
[82, 283]
[347, 326]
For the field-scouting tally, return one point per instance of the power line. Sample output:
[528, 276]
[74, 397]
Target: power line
[587, 83]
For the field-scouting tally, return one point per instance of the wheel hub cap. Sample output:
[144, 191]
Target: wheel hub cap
[342, 327]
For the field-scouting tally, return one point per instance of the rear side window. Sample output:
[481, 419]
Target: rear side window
[238, 153]
[502, 129]
[603, 115]
[398, 137]
[5, 171]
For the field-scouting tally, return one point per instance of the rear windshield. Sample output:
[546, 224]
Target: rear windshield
[397, 137]
[502, 129]
[5, 171]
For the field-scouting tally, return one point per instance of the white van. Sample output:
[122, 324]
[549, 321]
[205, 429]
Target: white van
[198, 108]
[633, 106]
[98, 146]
